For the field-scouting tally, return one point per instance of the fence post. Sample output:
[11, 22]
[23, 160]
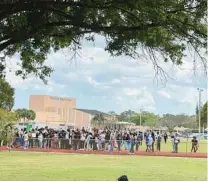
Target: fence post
[186, 146]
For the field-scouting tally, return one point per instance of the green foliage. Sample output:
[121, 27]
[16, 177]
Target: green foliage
[204, 115]
[35, 28]
[7, 120]
[26, 114]
[98, 119]
[152, 120]
[147, 118]
[31, 115]
[180, 120]
[6, 95]
[112, 113]
[126, 115]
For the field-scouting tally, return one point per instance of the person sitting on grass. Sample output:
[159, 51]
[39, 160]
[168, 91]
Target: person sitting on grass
[195, 144]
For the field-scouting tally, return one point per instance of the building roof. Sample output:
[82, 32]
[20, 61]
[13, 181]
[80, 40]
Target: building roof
[92, 112]
[125, 123]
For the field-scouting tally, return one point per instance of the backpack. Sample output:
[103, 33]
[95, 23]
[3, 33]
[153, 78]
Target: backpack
[159, 138]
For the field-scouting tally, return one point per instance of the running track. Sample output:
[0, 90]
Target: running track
[141, 153]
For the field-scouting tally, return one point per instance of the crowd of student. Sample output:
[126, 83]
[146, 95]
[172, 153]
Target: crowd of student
[95, 139]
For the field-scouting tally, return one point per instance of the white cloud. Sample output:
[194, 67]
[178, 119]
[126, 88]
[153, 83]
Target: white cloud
[164, 94]
[115, 81]
[136, 99]
[124, 81]
[132, 92]
[96, 84]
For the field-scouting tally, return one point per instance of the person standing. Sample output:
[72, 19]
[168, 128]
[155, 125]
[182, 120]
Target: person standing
[119, 141]
[195, 144]
[165, 137]
[133, 139]
[173, 145]
[175, 142]
[102, 136]
[82, 140]
[111, 142]
[40, 139]
[30, 139]
[150, 142]
[128, 140]
[25, 140]
[153, 141]
[138, 141]
[88, 138]
[147, 142]
[158, 141]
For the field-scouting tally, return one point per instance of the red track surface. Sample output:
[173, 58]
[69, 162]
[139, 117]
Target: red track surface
[142, 153]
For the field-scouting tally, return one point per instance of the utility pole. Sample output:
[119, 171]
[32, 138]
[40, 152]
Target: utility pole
[199, 90]
[140, 118]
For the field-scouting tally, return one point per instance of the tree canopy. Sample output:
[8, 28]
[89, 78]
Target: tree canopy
[7, 120]
[6, 95]
[26, 114]
[168, 120]
[98, 119]
[204, 115]
[35, 28]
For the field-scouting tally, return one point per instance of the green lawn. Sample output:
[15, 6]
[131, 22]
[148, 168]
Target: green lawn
[47, 166]
[183, 146]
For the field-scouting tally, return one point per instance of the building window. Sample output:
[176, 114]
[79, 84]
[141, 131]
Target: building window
[51, 109]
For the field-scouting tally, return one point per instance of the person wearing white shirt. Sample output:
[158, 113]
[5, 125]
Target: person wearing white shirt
[82, 141]
[25, 140]
[88, 140]
[102, 136]
[67, 140]
[40, 139]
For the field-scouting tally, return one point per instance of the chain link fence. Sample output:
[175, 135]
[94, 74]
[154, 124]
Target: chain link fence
[47, 144]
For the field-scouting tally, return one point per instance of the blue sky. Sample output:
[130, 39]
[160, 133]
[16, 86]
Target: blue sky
[99, 81]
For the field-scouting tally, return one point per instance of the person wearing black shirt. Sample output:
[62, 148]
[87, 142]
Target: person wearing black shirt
[107, 140]
[119, 140]
[165, 137]
[61, 136]
[153, 138]
[77, 136]
[94, 144]
[45, 137]
[138, 141]
[195, 144]
[133, 138]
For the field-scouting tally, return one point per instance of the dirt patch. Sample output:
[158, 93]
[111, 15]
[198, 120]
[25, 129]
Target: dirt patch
[141, 153]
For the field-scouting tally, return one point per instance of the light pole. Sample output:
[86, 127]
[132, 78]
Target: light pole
[199, 90]
[140, 118]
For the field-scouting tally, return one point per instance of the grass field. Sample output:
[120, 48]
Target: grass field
[46, 166]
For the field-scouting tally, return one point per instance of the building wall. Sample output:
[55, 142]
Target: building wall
[56, 110]
[52, 109]
[82, 119]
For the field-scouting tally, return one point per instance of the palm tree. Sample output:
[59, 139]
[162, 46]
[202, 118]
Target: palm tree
[31, 115]
[25, 114]
[98, 119]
